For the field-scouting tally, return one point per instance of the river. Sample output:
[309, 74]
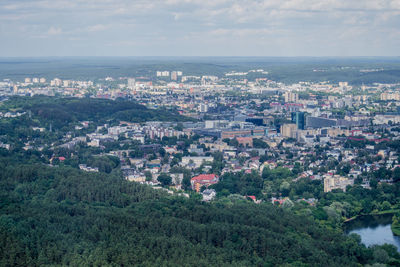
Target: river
[374, 230]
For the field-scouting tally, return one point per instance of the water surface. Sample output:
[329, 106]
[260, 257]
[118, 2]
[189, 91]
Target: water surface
[374, 230]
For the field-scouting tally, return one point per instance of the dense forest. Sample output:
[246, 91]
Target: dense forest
[61, 111]
[62, 216]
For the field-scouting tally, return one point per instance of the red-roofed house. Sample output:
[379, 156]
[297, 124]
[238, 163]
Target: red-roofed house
[203, 179]
[252, 197]
[245, 141]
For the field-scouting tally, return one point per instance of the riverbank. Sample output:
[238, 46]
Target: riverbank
[395, 229]
[396, 224]
[392, 211]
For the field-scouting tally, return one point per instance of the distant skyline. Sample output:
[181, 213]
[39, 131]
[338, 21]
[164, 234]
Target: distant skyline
[31, 28]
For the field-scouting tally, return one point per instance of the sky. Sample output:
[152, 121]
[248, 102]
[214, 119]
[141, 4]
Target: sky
[34, 28]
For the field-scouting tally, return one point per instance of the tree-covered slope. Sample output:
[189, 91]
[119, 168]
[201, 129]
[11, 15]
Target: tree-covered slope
[61, 111]
[62, 216]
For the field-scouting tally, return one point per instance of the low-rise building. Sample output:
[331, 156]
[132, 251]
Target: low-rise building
[245, 141]
[208, 194]
[195, 161]
[203, 180]
[336, 182]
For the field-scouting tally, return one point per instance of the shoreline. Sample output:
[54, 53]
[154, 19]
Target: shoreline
[395, 229]
[371, 214]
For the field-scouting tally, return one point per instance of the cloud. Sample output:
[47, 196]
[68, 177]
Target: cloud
[54, 31]
[97, 28]
[179, 25]
[242, 32]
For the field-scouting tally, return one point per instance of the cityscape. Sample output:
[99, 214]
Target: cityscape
[199, 133]
[312, 128]
[306, 147]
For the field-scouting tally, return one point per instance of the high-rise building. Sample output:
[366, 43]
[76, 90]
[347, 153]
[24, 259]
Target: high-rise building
[289, 130]
[56, 82]
[299, 119]
[203, 108]
[291, 97]
[174, 76]
[27, 80]
[131, 83]
[164, 73]
[42, 80]
[318, 122]
[390, 96]
[363, 87]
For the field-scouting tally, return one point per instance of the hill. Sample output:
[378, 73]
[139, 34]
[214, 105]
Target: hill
[62, 216]
[62, 111]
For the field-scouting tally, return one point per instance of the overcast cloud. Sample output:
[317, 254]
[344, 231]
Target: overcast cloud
[199, 28]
